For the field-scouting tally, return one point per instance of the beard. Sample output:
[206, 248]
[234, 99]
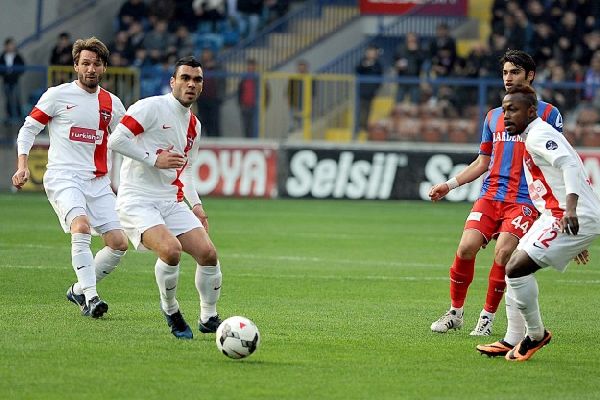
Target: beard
[90, 84]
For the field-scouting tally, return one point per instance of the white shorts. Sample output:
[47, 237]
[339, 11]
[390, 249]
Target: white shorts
[72, 196]
[547, 246]
[139, 216]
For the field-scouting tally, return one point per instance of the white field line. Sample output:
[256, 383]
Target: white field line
[319, 277]
[34, 246]
[330, 260]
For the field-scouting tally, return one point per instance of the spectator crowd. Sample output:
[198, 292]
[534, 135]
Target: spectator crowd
[563, 37]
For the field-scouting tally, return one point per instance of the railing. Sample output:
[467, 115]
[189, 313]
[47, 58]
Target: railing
[448, 110]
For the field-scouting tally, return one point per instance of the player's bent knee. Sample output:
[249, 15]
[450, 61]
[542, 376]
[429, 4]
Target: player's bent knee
[117, 241]
[209, 256]
[81, 226]
[170, 252]
[502, 256]
[121, 243]
[467, 252]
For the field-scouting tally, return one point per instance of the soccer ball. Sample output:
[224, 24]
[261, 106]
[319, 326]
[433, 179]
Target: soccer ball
[237, 337]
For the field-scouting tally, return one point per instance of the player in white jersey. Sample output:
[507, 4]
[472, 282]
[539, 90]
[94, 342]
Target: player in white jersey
[569, 222]
[159, 137]
[80, 116]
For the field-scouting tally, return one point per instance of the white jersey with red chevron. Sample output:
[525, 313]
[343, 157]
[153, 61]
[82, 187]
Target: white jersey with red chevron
[79, 123]
[151, 126]
[545, 149]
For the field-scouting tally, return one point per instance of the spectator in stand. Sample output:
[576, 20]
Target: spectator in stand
[157, 40]
[409, 60]
[121, 47]
[115, 60]
[184, 14]
[132, 10]
[209, 104]
[592, 81]
[563, 99]
[250, 13]
[210, 11]
[591, 44]
[514, 34]
[276, 9]
[11, 64]
[479, 63]
[544, 41]
[181, 43]
[569, 38]
[141, 59]
[537, 13]
[295, 96]
[523, 23]
[368, 67]
[443, 41]
[442, 64]
[61, 52]
[161, 10]
[136, 35]
[248, 97]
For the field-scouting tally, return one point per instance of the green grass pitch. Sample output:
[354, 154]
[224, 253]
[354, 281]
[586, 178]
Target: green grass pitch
[343, 293]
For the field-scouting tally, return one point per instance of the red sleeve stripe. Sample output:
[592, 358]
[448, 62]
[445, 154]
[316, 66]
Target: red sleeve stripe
[132, 124]
[547, 112]
[40, 116]
[486, 148]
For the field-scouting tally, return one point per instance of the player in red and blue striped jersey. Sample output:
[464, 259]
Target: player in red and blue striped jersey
[503, 211]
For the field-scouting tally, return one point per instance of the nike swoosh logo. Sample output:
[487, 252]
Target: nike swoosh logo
[171, 288]
[538, 246]
[217, 288]
[83, 266]
[69, 107]
[165, 126]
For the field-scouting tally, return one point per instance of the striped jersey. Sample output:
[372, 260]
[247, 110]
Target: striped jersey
[505, 180]
[79, 124]
[150, 126]
[545, 151]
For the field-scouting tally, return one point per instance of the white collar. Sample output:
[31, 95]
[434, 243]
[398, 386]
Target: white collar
[177, 105]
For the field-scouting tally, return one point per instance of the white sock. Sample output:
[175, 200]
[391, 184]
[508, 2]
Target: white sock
[83, 263]
[458, 310]
[166, 279]
[487, 314]
[208, 283]
[105, 262]
[525, 290]
[515, 330]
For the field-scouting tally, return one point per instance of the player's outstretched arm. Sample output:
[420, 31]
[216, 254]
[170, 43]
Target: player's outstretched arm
[469, 174]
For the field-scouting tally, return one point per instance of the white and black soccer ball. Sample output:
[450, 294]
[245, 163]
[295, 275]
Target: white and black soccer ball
[237, 337]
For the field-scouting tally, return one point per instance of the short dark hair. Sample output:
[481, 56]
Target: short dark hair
[528, 93]
[190, 61]
[519, 58]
